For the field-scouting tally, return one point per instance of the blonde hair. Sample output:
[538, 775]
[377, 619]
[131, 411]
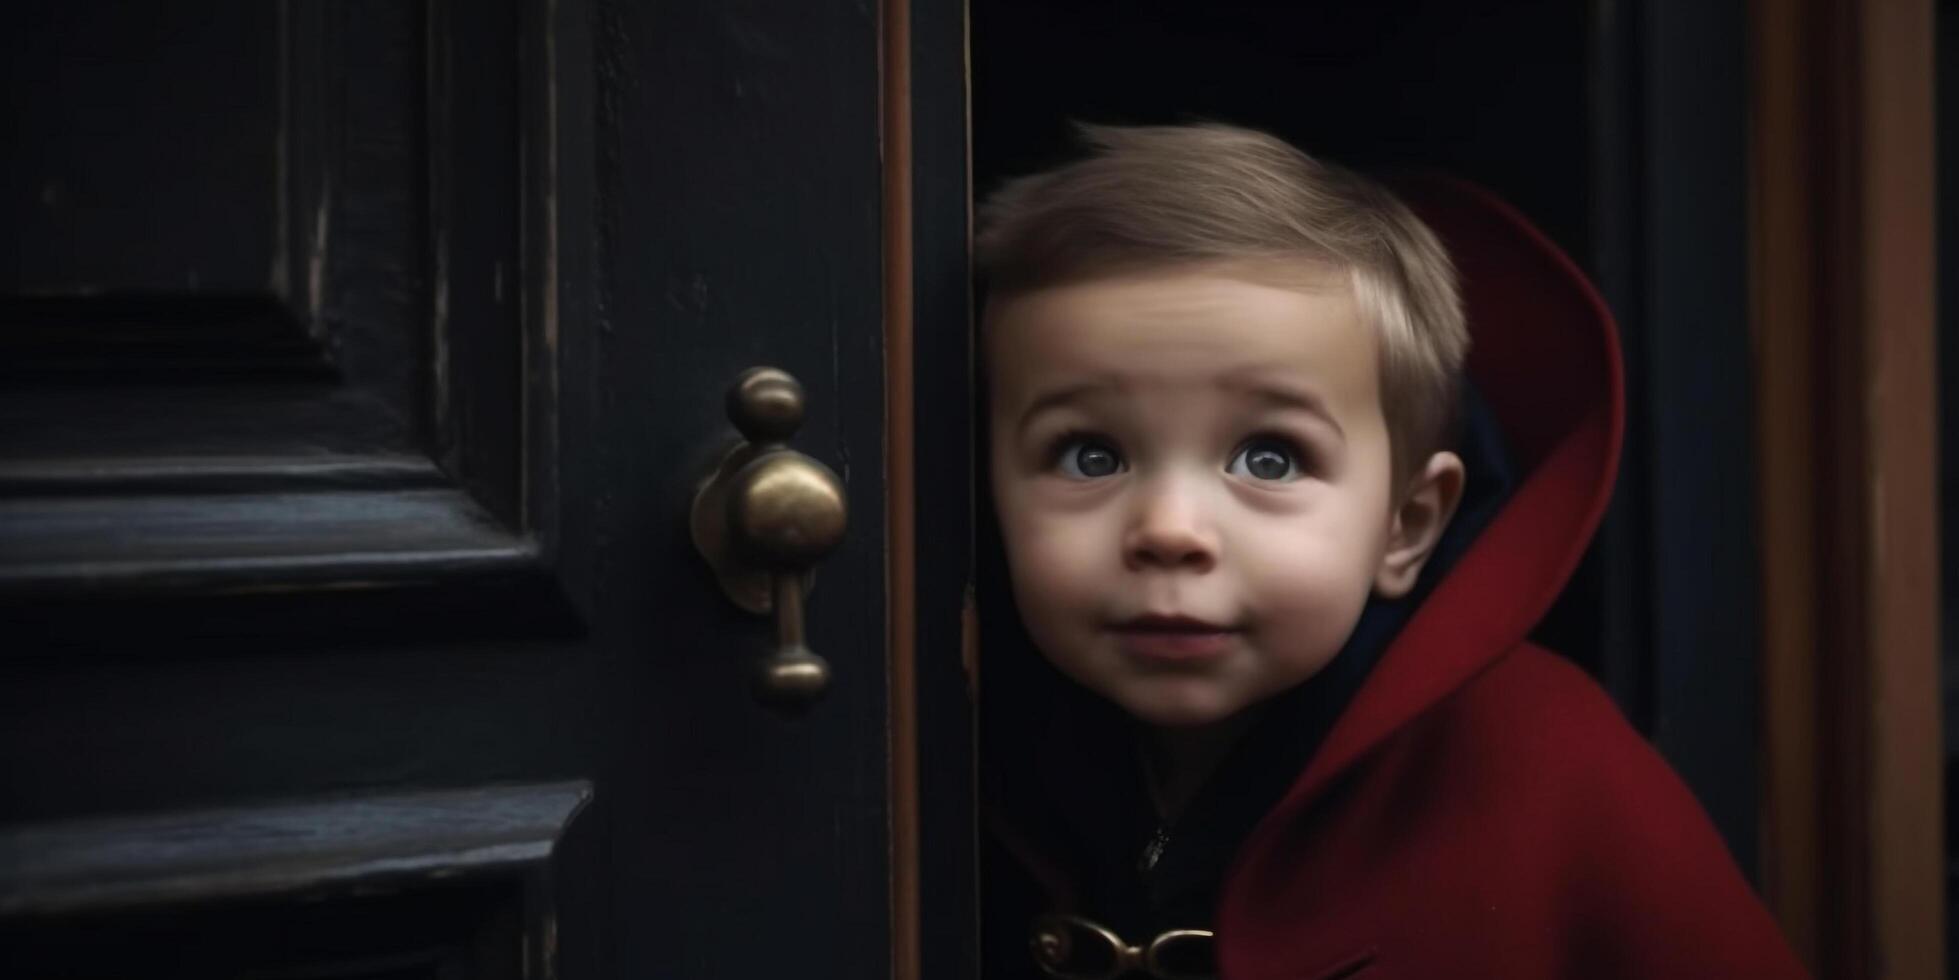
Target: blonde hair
[1159, 195]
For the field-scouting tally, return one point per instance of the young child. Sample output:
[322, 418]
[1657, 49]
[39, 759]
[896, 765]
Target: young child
[1282, 504]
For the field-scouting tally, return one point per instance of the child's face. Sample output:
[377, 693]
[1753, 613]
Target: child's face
[1191, 468]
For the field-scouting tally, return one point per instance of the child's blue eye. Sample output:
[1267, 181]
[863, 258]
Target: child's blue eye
[1266, 458]
[1088, 459]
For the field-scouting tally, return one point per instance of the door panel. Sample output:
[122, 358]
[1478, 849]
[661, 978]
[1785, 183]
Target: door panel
[433, 883]
[358, 364]
[258, 329]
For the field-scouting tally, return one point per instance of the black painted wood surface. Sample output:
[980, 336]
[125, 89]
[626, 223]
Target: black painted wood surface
[358, 361]
[311, 848]
[948, 688]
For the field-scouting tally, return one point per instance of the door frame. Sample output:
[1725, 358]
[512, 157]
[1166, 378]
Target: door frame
[1846, 408]
[929, 382]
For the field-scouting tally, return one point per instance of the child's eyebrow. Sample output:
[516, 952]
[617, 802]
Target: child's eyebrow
[1285, 396]
[1062, 396]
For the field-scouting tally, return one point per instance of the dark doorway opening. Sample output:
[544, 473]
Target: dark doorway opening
[1622, 133]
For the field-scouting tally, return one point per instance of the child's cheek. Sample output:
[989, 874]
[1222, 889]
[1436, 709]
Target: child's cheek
[1053, 561]
[1310, 589]
[1051, 557]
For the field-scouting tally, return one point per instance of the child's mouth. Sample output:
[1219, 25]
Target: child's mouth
[1173, 639]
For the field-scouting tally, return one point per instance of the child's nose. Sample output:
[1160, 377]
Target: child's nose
[1169, 530]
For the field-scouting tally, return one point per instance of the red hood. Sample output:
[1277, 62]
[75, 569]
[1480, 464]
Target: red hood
[1480, 808]
[1545, 357]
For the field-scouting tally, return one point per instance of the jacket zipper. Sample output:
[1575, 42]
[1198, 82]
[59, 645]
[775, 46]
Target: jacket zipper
[1153, 851]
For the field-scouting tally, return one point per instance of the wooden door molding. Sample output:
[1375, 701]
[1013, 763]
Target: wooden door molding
[1846, 399]
[901, 485]
[294, 850]
[327, 360]
[471, 873]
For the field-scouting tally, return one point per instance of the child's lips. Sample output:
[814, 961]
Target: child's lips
[1173, 639]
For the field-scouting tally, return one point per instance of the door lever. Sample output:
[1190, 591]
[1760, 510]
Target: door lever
[763, 519]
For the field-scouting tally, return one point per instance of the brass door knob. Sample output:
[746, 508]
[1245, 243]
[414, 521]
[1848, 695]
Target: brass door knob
[763, 519]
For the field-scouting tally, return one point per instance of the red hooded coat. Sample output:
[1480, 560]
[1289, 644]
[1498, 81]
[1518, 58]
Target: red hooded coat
[1479, 807]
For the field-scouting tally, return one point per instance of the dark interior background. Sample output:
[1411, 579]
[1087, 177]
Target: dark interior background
[1499, 93]
[1621, 130]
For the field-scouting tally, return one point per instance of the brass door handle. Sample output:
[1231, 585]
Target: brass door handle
[763, 519]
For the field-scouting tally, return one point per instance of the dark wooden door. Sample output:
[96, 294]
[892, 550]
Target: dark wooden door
[358, 363]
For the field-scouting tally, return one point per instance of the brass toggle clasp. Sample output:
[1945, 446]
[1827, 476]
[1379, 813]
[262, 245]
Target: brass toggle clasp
[763, 519]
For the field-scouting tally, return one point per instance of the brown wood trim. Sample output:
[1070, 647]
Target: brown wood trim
[1845, 389]
[900, 488]
[1901, 344]
[1783, 328]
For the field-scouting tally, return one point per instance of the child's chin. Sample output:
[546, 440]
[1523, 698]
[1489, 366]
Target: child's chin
[1178, 712]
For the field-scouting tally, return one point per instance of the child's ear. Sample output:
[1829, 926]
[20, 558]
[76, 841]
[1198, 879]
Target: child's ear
[1426, 506]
